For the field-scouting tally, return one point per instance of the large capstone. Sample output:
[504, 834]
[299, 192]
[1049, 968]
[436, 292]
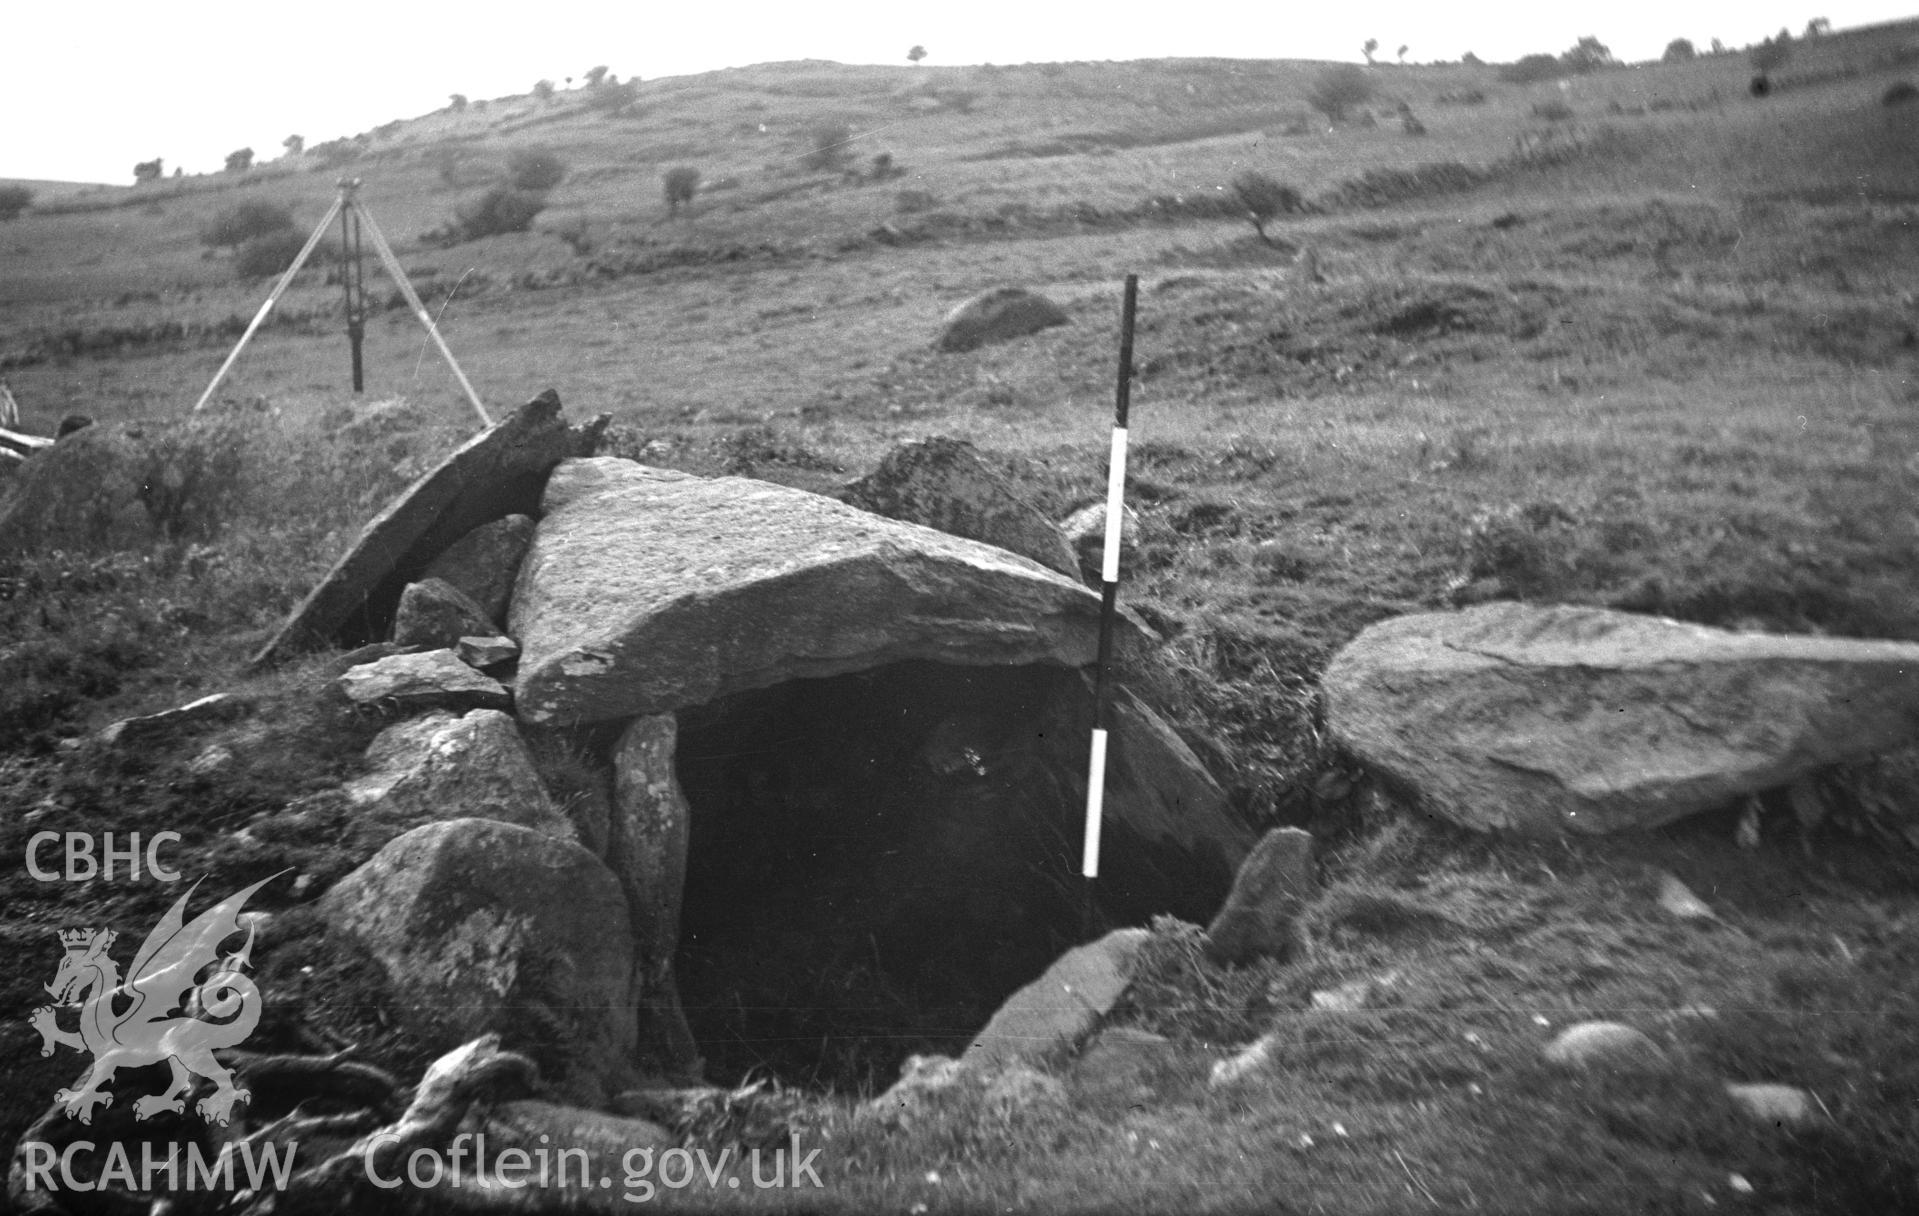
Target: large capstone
[647, 590]
[1564, 719]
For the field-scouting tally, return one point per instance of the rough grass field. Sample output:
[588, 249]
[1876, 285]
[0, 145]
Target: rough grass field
[1661, 357]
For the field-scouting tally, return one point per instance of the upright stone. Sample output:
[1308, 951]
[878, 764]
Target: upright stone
[646, 850]
[484, 563]
[487, 927]
[1563, 719]
[497, 473]
[1274, 884]
[648, 590]
[942, 483]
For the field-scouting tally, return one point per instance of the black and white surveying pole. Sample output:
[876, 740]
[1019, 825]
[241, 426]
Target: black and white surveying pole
[1109, 585]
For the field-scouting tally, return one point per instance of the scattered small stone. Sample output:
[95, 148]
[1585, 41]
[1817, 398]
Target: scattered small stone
[1351, 996]
[215, 759]
[1783, 1105]
[1611, 1045]
[482, 653]
[433, 679]
[1677, 899]
[220, 707]
[1250, 1059]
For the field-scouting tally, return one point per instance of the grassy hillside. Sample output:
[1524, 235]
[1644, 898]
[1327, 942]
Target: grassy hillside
[1638, 339]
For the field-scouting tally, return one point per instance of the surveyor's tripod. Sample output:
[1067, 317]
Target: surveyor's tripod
[354, 218]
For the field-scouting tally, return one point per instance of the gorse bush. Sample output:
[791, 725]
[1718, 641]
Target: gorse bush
[268, 255]
[535, 169]
[14, 200]
[680, 185]
[244, 222]
[1337, 90]
[828, 147]
[500, 210]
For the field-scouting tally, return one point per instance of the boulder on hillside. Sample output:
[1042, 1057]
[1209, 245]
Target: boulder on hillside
[999, 315]
[435, 614]
[1560, 719]
[120, 485]
[648, 590]
[486, 927]
[484, 563]
[443, 765]
[942, 483]
[497, 473]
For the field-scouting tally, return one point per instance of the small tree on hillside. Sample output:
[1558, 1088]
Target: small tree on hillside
[240, 160]
[1402, 53]
[1371, 45]
[613, 97]
[1818, 26]
[1263, 199]
[595, 76]
[1679, 50]
[456, 102]
[501, 209]
[543, 89]
[1530, 69]
[681, 185]
[14, 200]
[1718, 47]
[294, 144]
[1471, 60]
[1589, 54]
[535, 169]
[1336, 90]
[148, 171]
[916, 54]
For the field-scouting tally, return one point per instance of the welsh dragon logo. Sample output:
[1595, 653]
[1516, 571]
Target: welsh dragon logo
[154, 1015]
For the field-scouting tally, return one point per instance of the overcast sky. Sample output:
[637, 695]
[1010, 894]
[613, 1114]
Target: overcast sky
[92, 86]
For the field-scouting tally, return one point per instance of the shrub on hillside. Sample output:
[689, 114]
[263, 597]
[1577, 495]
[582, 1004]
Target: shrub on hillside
[1336, 90]
[1679, 50]
[1264, 199]
[614, 97]
[240, 160]
[1771, 54]
[1553, 111]
[14, 200]
[681, 185]
[1899, 94]
[1531, 69]
[456, 102]
[535, 169]
[828, 146]
[500, 210]
[148, 171]
[543, 89]
[268, 255]
[243, 222]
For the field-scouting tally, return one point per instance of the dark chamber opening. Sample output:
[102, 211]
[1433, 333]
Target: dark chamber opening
[876, 862]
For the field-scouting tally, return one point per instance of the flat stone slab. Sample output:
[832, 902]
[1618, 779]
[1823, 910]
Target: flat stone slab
[217, 707]
[1059, 1008]
[431, 679]
[1547, 720]
[497, 473]
[647, 590]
